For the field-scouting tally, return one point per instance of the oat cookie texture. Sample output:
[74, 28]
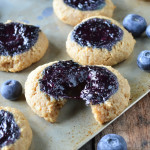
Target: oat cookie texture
[48, 107]
[74, 16]
[87, 55]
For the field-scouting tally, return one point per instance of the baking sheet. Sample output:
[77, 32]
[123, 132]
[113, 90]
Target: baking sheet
[76, 124]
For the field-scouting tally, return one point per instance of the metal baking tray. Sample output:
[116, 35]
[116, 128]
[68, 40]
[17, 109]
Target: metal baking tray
[76, 124]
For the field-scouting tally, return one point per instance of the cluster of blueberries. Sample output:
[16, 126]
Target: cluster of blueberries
[136, 25]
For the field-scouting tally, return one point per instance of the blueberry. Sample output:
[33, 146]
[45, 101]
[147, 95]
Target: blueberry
[143, 60]
[11, 89]
[148, 31]
[135, 24]
[112, 142]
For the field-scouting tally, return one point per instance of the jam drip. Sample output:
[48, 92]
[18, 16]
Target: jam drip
[9, 130]
[16, 38]
[67, 79]
[97, 33]
[86, 5]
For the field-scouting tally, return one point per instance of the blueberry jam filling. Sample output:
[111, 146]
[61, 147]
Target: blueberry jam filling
[9, 130]
[97, 33]
[100, 85]
[85, 5]
[64, 79]
[67, 79]
[16, 38]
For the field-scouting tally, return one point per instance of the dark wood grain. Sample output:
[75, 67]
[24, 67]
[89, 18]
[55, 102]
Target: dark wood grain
[134, 126]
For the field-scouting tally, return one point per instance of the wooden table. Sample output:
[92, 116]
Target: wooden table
[134, 126]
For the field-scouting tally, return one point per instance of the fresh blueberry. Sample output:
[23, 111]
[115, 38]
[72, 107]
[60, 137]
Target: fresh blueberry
[112, 142]
[148, 31]
[143, 60]
[11, 89]
[135, 24]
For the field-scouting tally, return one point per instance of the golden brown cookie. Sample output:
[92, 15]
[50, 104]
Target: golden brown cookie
[16, 133]
[73, 12]
[21, 45]
[99, 40]
[104, 88]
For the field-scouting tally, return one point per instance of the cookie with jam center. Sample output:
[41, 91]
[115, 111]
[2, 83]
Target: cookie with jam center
[15, 130]
[73, 12]
[20, 46]
[99, 40]
[49, 86]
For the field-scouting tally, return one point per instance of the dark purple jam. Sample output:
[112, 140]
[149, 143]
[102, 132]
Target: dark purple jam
[100, 85]
[85, 5]
[16, 38]
[64, 79]
[67, 79]
[97, 33]
[9, 130]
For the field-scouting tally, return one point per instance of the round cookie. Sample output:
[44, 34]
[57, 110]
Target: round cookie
[16, 133]
[49, 86]
[74, 11]
[20, 46]
[99, 40]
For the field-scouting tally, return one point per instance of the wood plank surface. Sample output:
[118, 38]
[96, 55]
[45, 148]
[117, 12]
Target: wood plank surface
[133, 125]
